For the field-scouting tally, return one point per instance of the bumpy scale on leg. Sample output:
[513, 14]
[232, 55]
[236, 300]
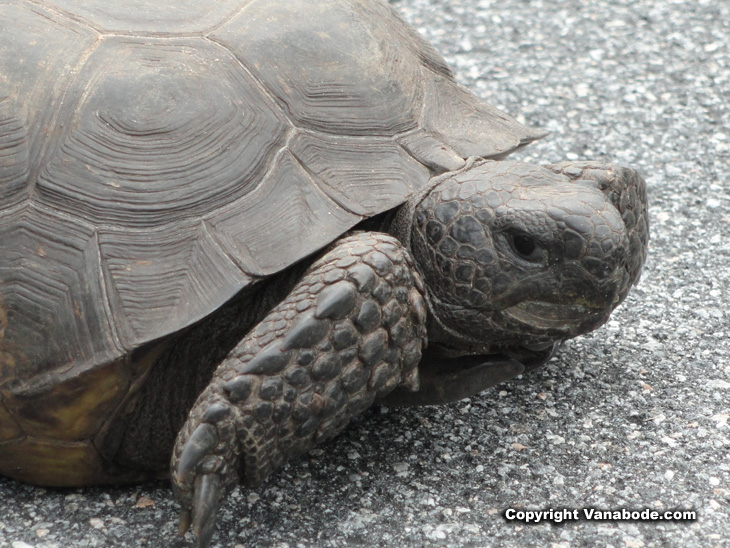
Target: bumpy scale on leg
[350, 331]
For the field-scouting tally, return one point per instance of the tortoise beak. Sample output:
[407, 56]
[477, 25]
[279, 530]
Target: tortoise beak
[544, 315]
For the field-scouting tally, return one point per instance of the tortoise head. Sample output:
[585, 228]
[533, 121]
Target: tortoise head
[517, 257]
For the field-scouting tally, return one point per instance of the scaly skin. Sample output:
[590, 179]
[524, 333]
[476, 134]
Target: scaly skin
[350, 331]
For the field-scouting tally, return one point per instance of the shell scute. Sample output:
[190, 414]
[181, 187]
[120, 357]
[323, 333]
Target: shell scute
[157, 131]
[332, 65]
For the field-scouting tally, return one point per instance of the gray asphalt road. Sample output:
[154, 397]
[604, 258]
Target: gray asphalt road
[633, 416]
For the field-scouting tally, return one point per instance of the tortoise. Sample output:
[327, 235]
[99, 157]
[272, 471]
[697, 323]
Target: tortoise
[230, 226]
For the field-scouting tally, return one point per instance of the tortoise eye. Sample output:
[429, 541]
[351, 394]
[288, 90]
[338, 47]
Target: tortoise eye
[526, 247]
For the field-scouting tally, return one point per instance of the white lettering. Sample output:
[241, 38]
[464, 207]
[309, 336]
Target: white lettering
[624, 514]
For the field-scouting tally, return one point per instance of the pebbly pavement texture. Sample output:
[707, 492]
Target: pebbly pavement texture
[632, 416]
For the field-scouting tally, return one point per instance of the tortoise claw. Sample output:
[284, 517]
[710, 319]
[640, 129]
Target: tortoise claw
[203, 472]
[186, 519]
[203, 439]
[206, 500]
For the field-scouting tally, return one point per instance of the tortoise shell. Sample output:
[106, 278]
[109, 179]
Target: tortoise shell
[158, 157]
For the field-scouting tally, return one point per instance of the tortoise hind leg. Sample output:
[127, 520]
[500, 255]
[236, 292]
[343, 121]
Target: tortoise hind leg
[349, 332]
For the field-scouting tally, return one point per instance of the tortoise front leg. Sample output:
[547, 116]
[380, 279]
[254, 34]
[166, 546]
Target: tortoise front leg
[350, 331]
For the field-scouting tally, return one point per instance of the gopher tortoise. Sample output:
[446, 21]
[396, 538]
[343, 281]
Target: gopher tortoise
[227, 227]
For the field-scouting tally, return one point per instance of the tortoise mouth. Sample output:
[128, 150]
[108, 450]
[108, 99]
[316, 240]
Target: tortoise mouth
[545, 315]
